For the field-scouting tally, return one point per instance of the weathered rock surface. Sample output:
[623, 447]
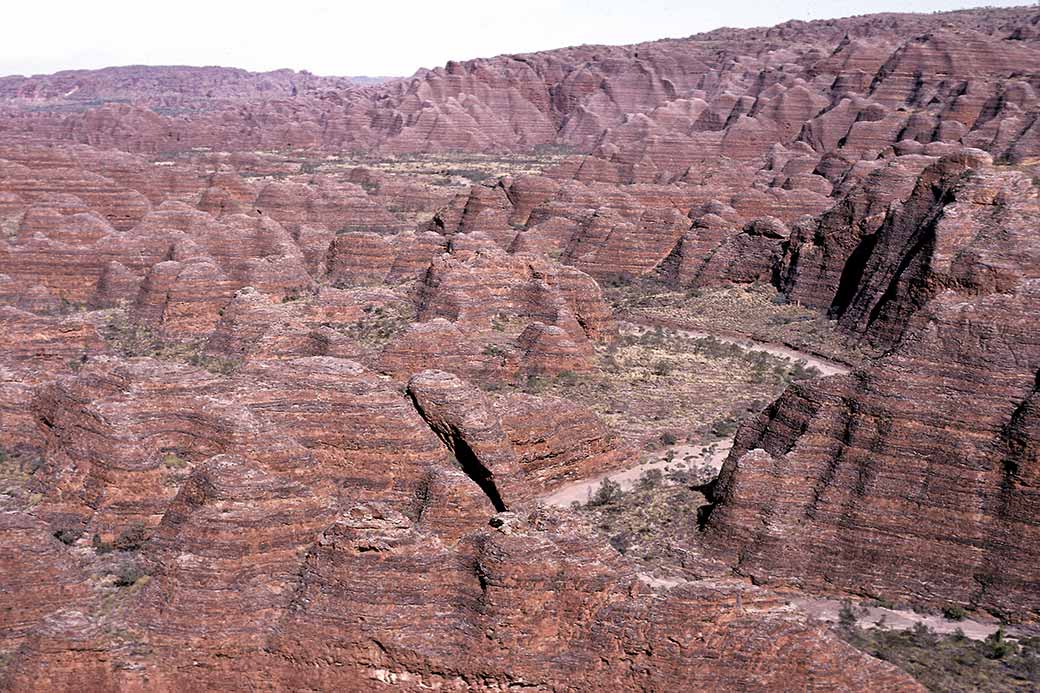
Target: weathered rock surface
[340, 522]
[478, 280]
[437, 344]
[557, 441]
[648, 111]
[866, 482]
[263, 403]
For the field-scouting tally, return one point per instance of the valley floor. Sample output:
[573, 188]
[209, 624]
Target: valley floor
[646, 510]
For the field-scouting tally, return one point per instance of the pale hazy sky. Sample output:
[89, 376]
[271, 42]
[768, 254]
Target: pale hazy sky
[377, 37]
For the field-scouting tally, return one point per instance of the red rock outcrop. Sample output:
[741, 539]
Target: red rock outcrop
[463, 418]
[341, 209]
[37, 573]
[549, 349]
[303, 486]
[557, 441]
[472, 285]
[359, 258]
[648, 111]
[818, 252]
[705, 257]
[866, 482]
[339, 523]
[437, 344]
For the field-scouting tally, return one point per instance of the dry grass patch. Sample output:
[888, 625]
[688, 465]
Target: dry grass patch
[660, 388]
[754, 311]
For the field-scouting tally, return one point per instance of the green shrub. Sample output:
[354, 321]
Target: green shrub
[650, 478]
[618, 280]
[567, 378]
[173, 461]
[129, 573]
[664, 367]
[800, 371]
[493, 350]
[608, 492]
[68, 535]
[534, 384]
[997, 646]
[100, 547]
[725, 428]
[131, 538]
[846, 615]
[924, 634]
[620, 543]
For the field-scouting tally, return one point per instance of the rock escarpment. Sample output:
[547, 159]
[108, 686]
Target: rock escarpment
[866, 482]
[262, 407]
[648, 111]
[358, 522]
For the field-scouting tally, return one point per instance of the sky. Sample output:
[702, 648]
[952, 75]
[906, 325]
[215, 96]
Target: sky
[370, 37]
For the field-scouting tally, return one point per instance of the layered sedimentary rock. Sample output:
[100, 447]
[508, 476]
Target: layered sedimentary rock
[37, 573]
[818, 252]
[40, 348]
[340, 522]
[556, 440]
[744, 257]
[867, 482]
[547, 348]
[621, 232]
[164, 84]
[359, 258]
[475, 282]
[463, 418]
[648, 111]
[770, 105]
[343, 208]
[437, 344]
[262, 400]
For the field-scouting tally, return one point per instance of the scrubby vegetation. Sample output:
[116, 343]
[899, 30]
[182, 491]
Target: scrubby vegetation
[129, 539]
[954, 663]
[19, 463]
[68, 535]
[656, 517]
[129, 574]
[658, 387]
[756, 311]
[379, 324]
[128, 338]
[608, 492]
[452, 169]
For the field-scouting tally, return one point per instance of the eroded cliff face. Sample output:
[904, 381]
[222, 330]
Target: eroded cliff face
[927, 457]
[650, 110]
[305, 523]
[263, 412]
